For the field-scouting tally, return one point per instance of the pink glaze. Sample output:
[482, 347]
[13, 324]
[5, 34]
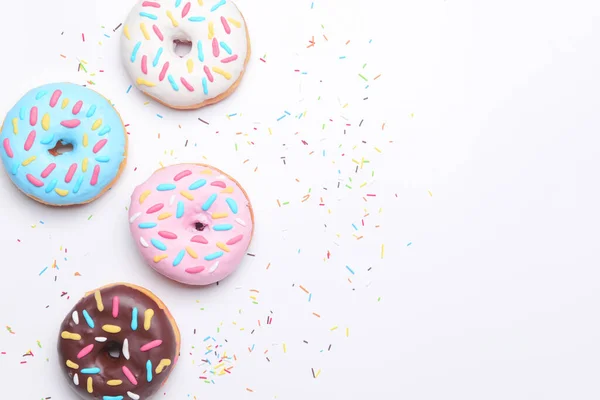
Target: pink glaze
[169, 239]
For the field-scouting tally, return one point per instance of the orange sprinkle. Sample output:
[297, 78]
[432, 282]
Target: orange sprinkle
[377, 77]
[302, 287]
[250, 390]
[316, 315]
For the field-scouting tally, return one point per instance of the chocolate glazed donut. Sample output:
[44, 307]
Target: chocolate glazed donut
[119, 342]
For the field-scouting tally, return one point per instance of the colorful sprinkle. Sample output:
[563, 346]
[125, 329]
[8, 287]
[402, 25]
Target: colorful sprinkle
[135, 51]
[151, 345]
[223, 227]
[114, 382]
[71, 123]
[158, 244]
[155, 208]
[180, 209]
[88, 319]
[179, 257]
[225, 25]
[70, 336]
[195, 270]
[54, 99]
[99, 303]
[134, 318]
[129, 375]
[115, 307]
[111, 328]
[199, 239]
[173, 83]
[186, 195]
[219, 71]
[227, 49]
[90, 371]
[7, 148]
[216, 6]
[167, 235]
[51, 186]
[232, 205]
[85, 351]
[95, 174]
[235, 239]
[72, 365]
[46, 121]
[147, 15]
[144, 195]
[147, 225]
[148, 314]
[213, 256]
[223, 247]
[149, 371]
[165, 362]
[198, 184]
[191, 252]
[209, 202]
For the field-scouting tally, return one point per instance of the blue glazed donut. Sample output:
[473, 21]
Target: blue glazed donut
[63, 114]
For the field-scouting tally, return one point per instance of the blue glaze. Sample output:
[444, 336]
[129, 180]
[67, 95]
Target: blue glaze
[173, 83]
[149, 371]
[232, 205]
[223, 227]
[209, 202]
[88, 319]
[198, 184]
[40, 94]
[90, 371]
[200, 51]
[147, 225]
[104, 131]
[157, 58]
[226, 48]
[94, 105]
[165, 186]
[135, 51]
[134, 318]
[147, 15]
[205, 85]
[216, 6]
[196, 19]
[180, 209]
[179, 257]
[158, 244]
[213, 256]
[112, 397]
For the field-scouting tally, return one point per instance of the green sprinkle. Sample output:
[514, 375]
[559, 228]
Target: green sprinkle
[364, 65]
[90, 217]
[236, 149]
[361, 75]
[349, 187]
[286, 203]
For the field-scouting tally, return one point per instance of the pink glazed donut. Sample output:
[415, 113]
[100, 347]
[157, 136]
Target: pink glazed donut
[192, 223]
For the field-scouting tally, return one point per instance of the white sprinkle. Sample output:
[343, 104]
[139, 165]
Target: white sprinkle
[172, 200]
[239, 221]
[126, 349]
[133, 395]
[76, 379]
[214, 267]
[100, 339]
[143, 242]
[75, 317]
[134, 217]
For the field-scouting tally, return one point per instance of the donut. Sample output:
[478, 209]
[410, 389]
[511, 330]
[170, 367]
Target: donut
[63, 114]
[192, 223]
[118, 342]
[212, 69]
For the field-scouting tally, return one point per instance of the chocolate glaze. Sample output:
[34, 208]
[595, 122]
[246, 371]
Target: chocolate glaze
[111, 369]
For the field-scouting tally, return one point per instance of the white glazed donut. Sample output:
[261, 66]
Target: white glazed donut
[220, 49]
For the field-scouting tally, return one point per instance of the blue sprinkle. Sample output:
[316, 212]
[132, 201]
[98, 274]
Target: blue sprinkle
[216, 6]
[88, 319]
[94, 370]
[129, 88]
[112, 397]
[15, 168]
[44, 270]
[209, 202]
[147, 15]
[51, 186]
[177, 3]
[135, 51]
[104, 131]
[198, 184]
[205, 85]
[354, 226]
[165, 186]
[309, 296]
[213, 256]
[78, 184]
[173, 84]
[158, 244]
[134, 317]
[103, 159]
[287, 112]
[47, 139]
[91, 111]
[159, 116]
[196, 19]
[223, 227]
[180, 209]
[200, 51]
[350, 269]
[22, 114]
[282, 117]
[232, 205]
[107, 35]
[147, 225]
[179, 257]
[226, 48]
[158, 54]
[149, 370]
[40, 95]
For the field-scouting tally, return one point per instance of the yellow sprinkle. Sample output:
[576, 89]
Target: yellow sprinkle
[219, 215]
[219, 71]
[211, 30]
[382, 250]
[284, 348]
[160, 257]
[334, 328]
[175, 23]
[28, 161]
[145, 31]
[144, 195]
[347, 332]
[84, 165]
[164, 216]
[237, 24]
[111, 328]
[72, 365]
[97, 124]
[70, 336]
[165, 362]
[317, 374]
[222, 246]
[61, 192]
[142, 81]
[148, 314]
[126, 32]
[206, 172]
[191, 252]
[46, 121]
[99, 303]
[114, 382]
[85, 140]
[228, 190]
[187, 195]
[190, 65]
[16, 126]
[200, 2]
[65, 103]
[377, 150]
[90, 385]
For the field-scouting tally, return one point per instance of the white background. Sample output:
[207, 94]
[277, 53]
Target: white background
[488, 169]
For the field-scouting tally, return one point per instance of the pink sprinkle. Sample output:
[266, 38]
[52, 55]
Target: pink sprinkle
[33, 116]
[150, 4]
[208, 74]
[71, 123]
[115, 310]
[151, 345]
[225, 25]
[216, 50]
[55, 97]
[186, 10]
[34, 181]
[186, 84]
[98, 146]
[155, 208]
[71, 172]
[182, 175]
[236, 239]
[85, 351]
[77, 107]
[229, 59]
[167, 235]
[199, 239]
[220, 184]
[129, 375]
[158, 32]
[163, 73]
[145, 65]
[7, 148]
[48, 170]
[29, 141]
[195, 270]
[94, 179]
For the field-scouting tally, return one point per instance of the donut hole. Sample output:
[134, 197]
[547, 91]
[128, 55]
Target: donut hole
[60, 148]
[182, 47]
[113, 350]
[199, 226]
